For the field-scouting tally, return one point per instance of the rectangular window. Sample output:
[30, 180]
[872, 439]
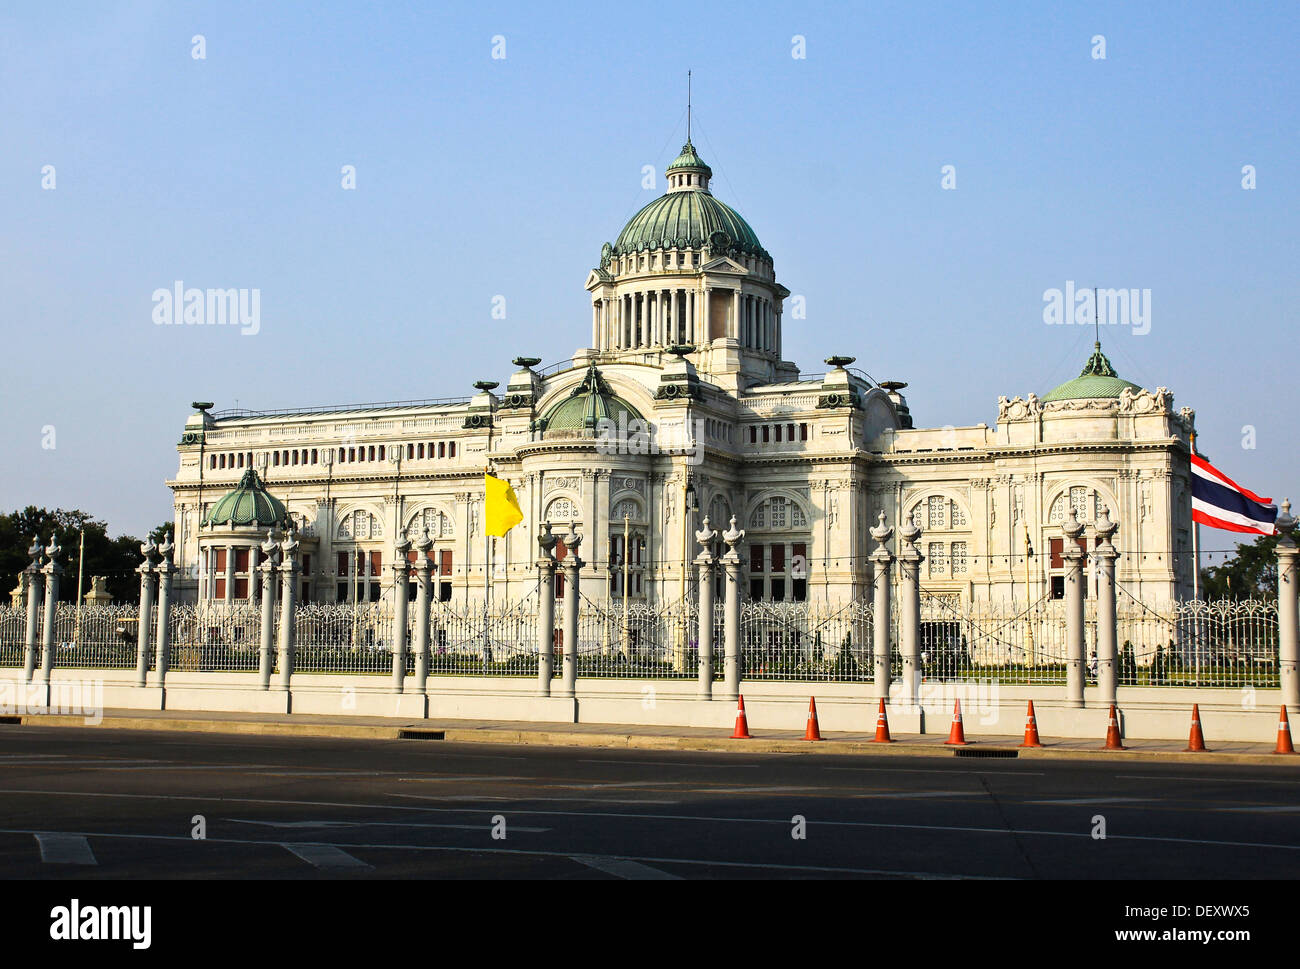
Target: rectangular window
[753, 435]
[778, 590]
[376, 562]
[341, 592]
[778, 434]
[756, 589]
[958, 558]
[756, 558]
[221, 560]
[799, 590]
[444, 561]
[343, 563]
[938, 561]
[1058, 587]
[306, 565]
[778, 557]
[767, 433]
[221, 587]
[444, 592]
[799, 561]
[241, 560]
[789, 432]
[241, 588]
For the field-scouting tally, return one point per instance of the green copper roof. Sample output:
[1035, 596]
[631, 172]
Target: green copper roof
[591, 402]
[249, 504]
[1098, 380]
[688, 159]
[687, 220]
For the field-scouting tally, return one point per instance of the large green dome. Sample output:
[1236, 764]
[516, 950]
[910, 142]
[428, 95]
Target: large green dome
[688, 217]
[591, 402]
[248, 504]
[1098, 381]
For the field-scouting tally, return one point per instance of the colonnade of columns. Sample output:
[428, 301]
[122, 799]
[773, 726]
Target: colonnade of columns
[664, 317]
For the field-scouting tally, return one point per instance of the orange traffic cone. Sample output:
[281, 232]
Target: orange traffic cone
[742, 725]
[882, 726]
[956, 735]
[1112, 731]
[1031, 729]
[812, 733]
[1284, 734]
[1196, 740]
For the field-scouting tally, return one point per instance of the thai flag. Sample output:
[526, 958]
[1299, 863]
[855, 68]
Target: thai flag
[1220, 502]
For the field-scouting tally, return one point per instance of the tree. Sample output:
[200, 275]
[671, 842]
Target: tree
[114, 558]
[1250, 574]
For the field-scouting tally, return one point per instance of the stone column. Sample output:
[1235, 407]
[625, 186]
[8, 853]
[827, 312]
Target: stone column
[288, 601]
[1107, 632]
[230, 573]
[572, 574]
[422, 583]
[52, 571]
[401, 569]
[270, 562]
[147, 585]
[1288, 613]
[882, 559]
[731, 613]
[35, 592]
[163, 629]
[545, 609]
[909, 619]
[735, 316]
[1074, 633]
[704, 561]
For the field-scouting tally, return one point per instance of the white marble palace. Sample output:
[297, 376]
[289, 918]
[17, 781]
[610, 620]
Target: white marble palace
[683, 407]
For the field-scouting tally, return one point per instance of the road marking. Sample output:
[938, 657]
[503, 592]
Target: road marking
[750, 790]
[376, 824]
[757, 865]
[623, 868]
[931, 770]
[325, 857]
[1266, 809]
[907, 795]
[65, 849]
[526, 798]
[1092, 800]
[1229, 779]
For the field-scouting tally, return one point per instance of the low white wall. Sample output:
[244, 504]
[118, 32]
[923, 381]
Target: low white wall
[988, 708]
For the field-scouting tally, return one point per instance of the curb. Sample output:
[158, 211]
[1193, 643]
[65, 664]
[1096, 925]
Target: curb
[422, 730]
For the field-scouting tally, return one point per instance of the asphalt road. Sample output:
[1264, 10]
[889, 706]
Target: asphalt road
[117, 804]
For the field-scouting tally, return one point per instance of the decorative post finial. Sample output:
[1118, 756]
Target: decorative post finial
[882, 533]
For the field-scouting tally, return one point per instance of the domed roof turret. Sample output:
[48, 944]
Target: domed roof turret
[248, 504]
[687, 216]
[590, 402]
[1098, 380]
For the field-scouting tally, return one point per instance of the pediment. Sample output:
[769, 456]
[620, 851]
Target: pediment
[725, 265]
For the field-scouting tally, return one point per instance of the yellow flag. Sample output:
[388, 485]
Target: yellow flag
[502, 512]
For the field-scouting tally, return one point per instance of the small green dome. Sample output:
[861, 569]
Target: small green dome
[688, 159]
[591, 402]
[248, 504]
[1097, 381]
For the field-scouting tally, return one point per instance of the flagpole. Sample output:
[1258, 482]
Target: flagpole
[1196, 546]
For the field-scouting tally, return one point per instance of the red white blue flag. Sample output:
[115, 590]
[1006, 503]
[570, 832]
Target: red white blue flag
[1220, 502]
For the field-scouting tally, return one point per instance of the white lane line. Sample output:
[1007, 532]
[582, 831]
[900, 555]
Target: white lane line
[623, 868]
[1230, 779]
[1093, 800]
[65, 849]
[326, 857]
[908, 795]
[932, 770]
[376, 824]
[758, 865]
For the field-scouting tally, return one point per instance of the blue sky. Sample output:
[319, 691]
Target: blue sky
[479, 176]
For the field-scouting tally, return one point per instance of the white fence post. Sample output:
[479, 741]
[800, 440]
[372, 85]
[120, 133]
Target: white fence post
[731, 613]
[882, 559]
[268, 567]
[422, 583]
[1071, 528]
[143, 630]
[52, 572]
[288, 599]
[163, 630]
[572, 577]
[35, 591]
[1288, 609]
[909, 625]
[705, 537]
[1107, 632]
[401, 571]
[545, 609]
